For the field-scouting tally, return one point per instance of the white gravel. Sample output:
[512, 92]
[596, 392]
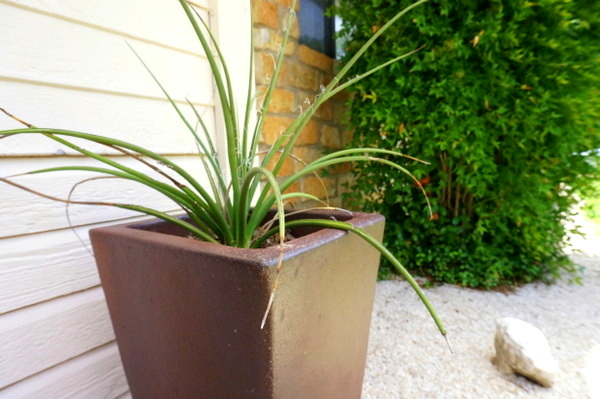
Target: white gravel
[408, 358]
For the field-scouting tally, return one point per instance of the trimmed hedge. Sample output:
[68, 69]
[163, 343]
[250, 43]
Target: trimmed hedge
[504, 102]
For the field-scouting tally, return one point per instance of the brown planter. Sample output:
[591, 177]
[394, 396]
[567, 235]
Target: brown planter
[187, 313]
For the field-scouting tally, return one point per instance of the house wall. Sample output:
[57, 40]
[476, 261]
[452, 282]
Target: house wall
[303, 75]
[66, 64]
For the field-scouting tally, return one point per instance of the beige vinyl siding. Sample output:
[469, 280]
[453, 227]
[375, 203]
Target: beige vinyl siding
[66, 64]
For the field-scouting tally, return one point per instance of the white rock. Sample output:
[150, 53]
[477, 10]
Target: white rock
[522, 348]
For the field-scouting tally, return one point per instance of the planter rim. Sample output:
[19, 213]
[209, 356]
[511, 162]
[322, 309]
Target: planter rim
[264, 257]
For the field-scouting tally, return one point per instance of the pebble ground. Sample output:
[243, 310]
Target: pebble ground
[408, 358]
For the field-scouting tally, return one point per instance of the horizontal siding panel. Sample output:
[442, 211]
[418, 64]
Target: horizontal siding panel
[129, 18]
[94, 375]
[39, 337]
[12, 166]
[37, 268]
[154, 124]
[40, 267]
[64, 53]
[29, 213]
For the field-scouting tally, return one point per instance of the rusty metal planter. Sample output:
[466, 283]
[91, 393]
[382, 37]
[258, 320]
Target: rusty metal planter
[187, 313]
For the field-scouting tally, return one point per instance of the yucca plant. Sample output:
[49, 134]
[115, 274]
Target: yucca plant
[231, 212]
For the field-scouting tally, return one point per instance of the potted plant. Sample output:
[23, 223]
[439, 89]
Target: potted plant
[194, 299]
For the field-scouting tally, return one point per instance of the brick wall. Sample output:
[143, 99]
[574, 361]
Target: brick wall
[303, 73]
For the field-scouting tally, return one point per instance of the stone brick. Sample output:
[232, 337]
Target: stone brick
[317, 186]
[303, 77]
[288, 4]
[342, 96]
[274, 127]
[282, 101]
[260, 93]
[287, 168]
[266, 13]
[336, 202]
[305, 155]
[266, 38]
[325, 111]
[294, 188]
[314, 58]
[304, 98]
[347, 135]
[327, 78]
[262, 67]
[339, 112]
[285, 18]
[295, 30]
[330, 137]
[309, 135]
[265, 67]
[341, 168]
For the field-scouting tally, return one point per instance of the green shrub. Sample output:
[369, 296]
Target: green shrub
[504, 102]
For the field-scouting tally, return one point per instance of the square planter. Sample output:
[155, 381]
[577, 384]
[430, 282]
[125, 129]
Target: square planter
[187, 313]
